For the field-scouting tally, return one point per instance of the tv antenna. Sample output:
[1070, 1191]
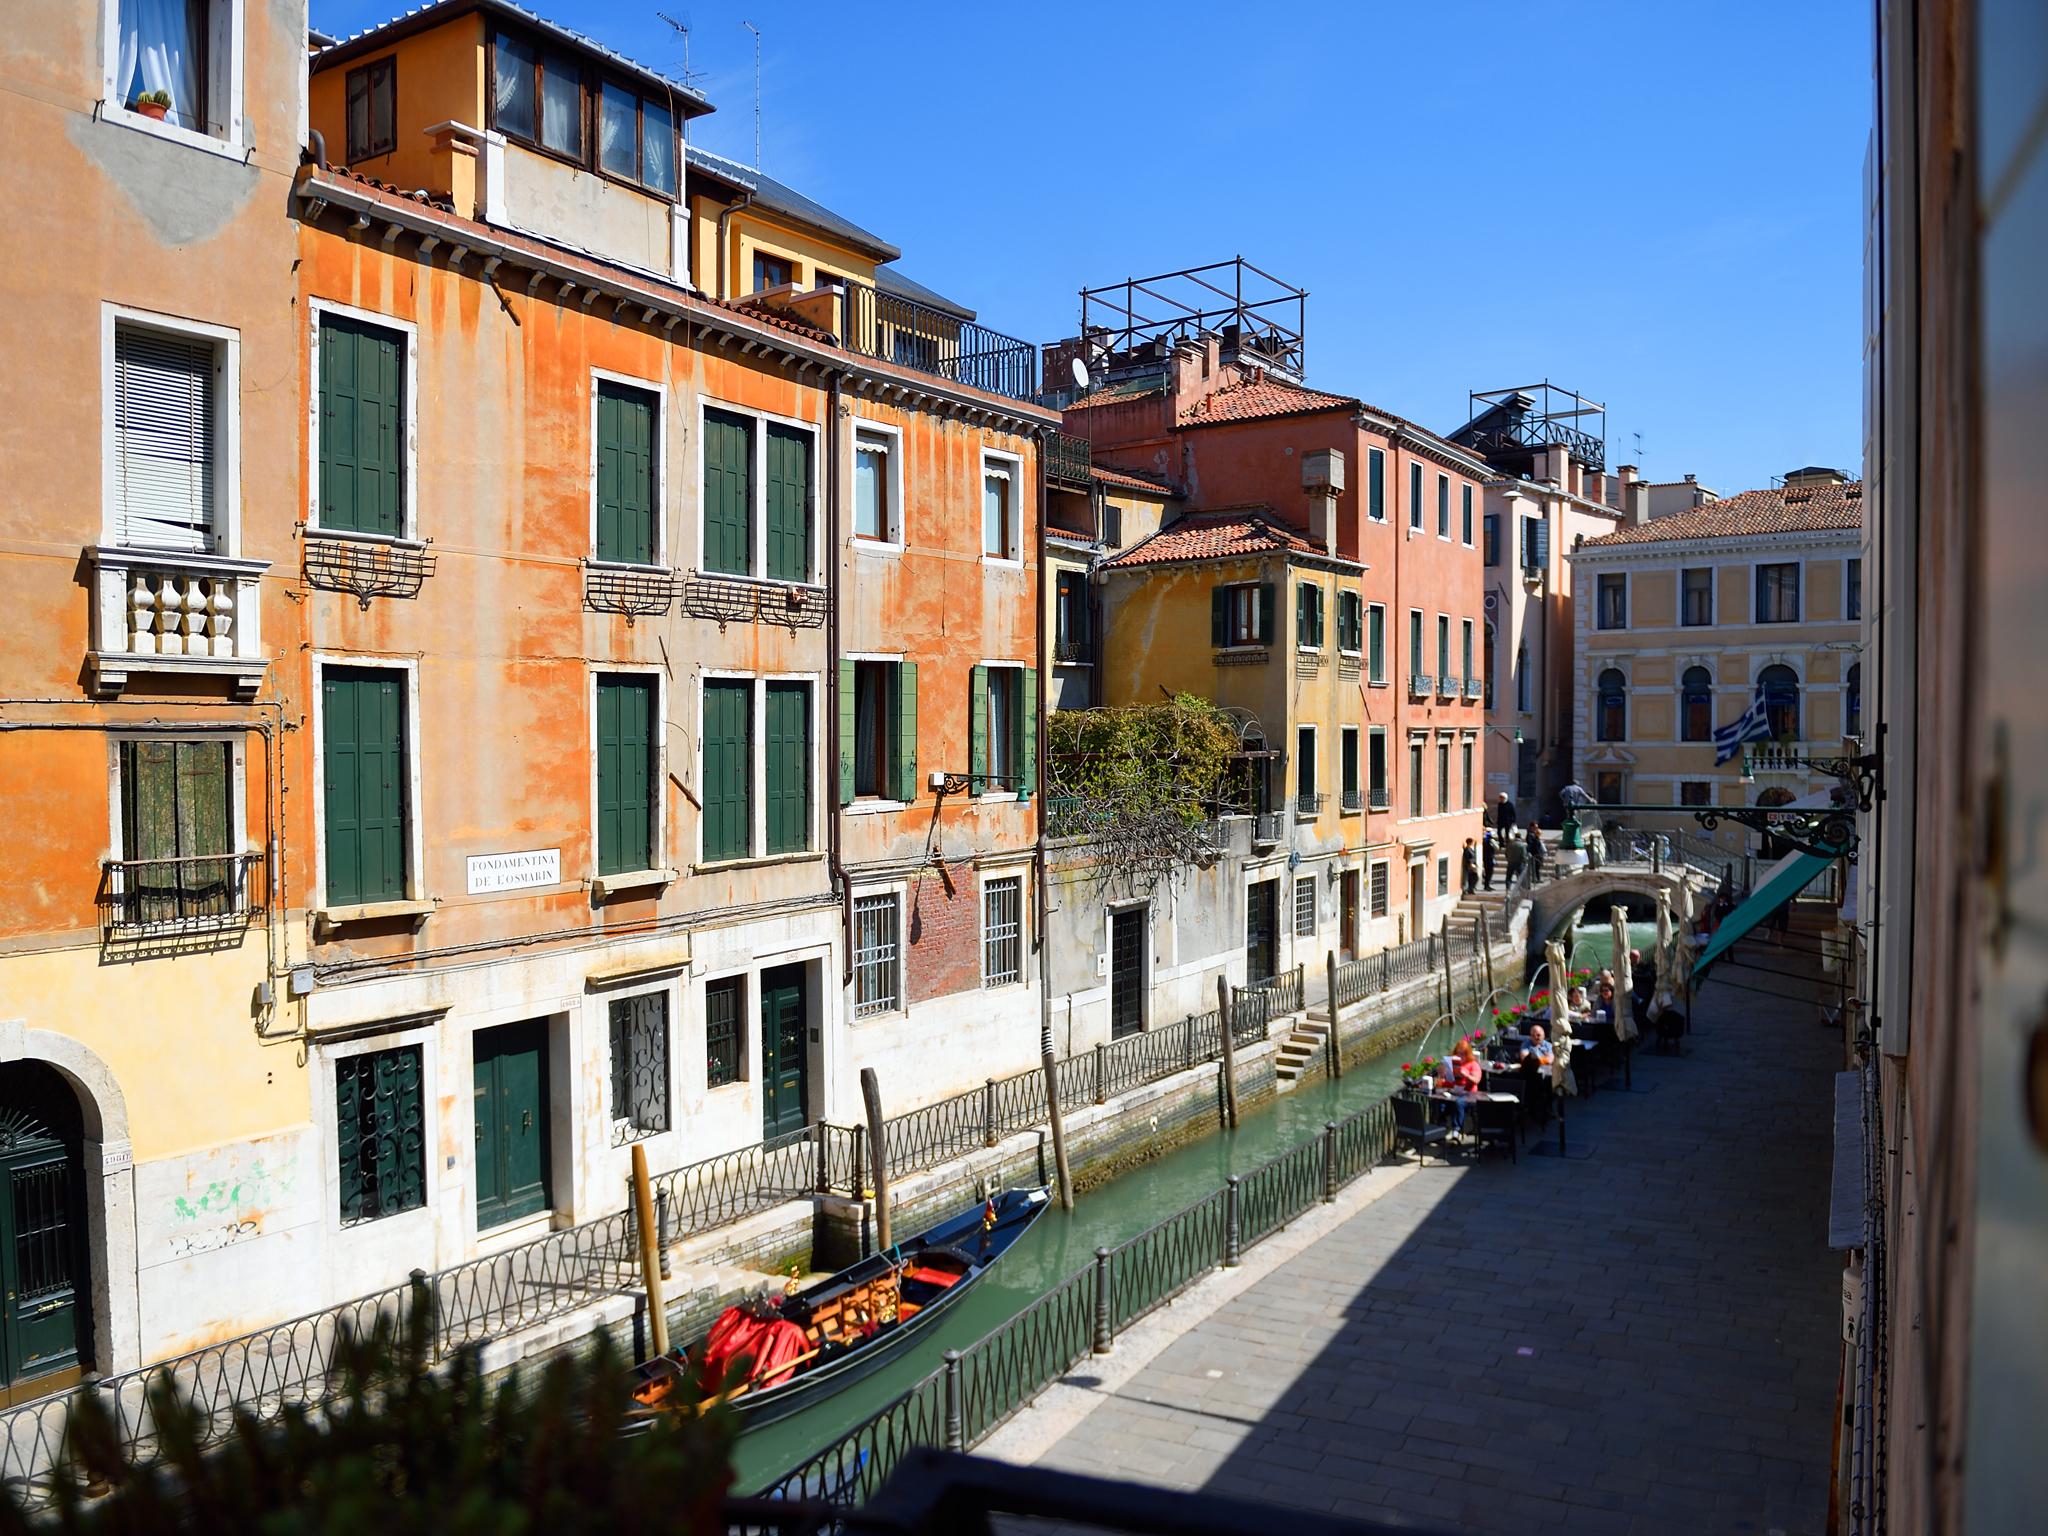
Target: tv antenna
[757, 91]
[682, 29]
[1639, 449]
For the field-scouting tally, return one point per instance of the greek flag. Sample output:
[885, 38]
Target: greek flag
[1753, 724]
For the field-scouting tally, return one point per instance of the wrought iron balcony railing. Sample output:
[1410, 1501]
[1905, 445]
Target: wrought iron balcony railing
[1070, 652]
[1309, 803]
[1474, 687]
[1379, 799]
[1269, 827]
[1354, 800]
[1421, 684]
[936, 341]
[1447, 685]
[171, 896]
[1067, 461]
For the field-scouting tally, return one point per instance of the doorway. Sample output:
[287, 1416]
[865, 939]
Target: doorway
[1261, 932]
[1347, 940]
[512, 1152]
[1418, 890]
[43, 1263]
[785, 1053]
[1127, 972]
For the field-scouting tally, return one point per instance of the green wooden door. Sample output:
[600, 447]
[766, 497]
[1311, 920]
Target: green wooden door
[625, 758]
[42, 1255]
[728, 493]
[511, 1064]
[363, 759]
[625, 473]
[785, 1068]
[788, 741]
[362, 414]
[728, 810]
[789, 503]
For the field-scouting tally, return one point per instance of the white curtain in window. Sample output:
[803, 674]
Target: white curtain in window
[161, 46]
[616, 150]
[561, 106]
[163, 441]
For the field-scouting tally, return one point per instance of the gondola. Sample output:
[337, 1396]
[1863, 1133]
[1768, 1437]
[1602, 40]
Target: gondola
[803, 1346]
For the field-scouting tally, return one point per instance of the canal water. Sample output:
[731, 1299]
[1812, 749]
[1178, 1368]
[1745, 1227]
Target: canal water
[1062, 1242]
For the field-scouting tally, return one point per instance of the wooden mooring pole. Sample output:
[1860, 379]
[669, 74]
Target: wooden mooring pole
[1330, 1041]
[650, 1252]
[878, 1155]
[1229, 1053]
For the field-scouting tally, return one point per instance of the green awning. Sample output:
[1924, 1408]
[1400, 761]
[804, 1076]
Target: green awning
[1783, 881]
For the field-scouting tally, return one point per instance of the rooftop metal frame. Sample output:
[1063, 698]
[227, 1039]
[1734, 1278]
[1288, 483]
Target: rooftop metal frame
[1556, 416]
[1271, 316]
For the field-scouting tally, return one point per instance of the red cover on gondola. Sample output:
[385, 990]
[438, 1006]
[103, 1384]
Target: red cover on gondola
[772, 1342]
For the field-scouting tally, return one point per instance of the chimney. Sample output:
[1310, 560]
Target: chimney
[1322, 476]
[1636, 500]
[1557, 466]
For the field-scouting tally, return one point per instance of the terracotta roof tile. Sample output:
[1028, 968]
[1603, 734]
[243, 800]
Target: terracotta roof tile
[1257, 399]
[1214, 536]
[1134, 481]
[1118, 394]
[1799, 509]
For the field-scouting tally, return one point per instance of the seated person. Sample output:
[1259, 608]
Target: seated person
[1576, 1001]
[1459, 1073]
[1537, 1058]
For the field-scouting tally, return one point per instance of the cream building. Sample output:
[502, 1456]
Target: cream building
[1681, 620]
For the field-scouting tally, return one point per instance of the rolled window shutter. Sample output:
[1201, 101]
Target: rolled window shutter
[164, 441]
[1302, 633]
[1027, 721]
[977, 729]
[847, 744]
[1219, 616]
[906, 731]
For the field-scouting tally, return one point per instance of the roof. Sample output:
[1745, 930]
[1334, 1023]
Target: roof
[1259, 398]
[894, 280]
[1119, 394]
[421, 18]
[776, 197]
[1232, 535]
[1130, 480]
[1801, 509]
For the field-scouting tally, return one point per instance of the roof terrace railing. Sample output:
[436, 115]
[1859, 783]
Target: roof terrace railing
[936, 341]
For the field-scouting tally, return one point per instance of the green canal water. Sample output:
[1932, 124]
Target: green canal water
[1064, 1242]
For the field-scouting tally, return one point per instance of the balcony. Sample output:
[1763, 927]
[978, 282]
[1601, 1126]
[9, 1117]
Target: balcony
[1353, 801]
[1379, 799]
[1268, 828]
[1309, 804]
[1069, 652]
[160, 898]
[165, 613]
[936, 341]
[1067, 462]
[1421, 685]
[1447, 685]
[1474, 687]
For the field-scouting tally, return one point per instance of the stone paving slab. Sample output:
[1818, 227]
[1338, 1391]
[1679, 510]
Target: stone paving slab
[1644, 1339]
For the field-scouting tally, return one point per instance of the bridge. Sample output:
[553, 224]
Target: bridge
[1557, 902]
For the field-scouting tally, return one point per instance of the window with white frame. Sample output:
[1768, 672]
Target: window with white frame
[640, 1066]
[758, 496]
[1002, 931]
[1305, 907]
[179, 864]
[876, 517]
[171, 395]
[1001, 537]
[1443, 875]
[725, 1010]
[1443, 507]
[1415, 497]
[177, 63]
[1377, 891]
[877, 955]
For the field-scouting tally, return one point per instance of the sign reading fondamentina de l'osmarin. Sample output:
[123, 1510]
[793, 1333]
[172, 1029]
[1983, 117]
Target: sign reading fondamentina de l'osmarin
[514, 871]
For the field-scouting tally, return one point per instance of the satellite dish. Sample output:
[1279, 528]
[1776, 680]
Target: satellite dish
[1080, 371]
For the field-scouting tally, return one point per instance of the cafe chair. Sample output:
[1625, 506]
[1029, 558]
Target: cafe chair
[1411, 1125]
[1496, 1122]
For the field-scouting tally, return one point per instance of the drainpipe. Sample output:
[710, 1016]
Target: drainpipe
[1062, 1176]
[745, 200]
[833, 826]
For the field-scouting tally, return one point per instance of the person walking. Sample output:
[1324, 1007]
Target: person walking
[1517, 854]
[1489, 855]
[1535, 853]
[1469, 867]
[1504, 814]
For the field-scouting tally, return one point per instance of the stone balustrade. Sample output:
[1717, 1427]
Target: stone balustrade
[160, 612]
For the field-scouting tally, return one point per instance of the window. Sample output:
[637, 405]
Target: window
[727, 808]
[1377, 886]
[1443, 875]
[1305, 907]
[757, 497]
[1415, 778]
[1492, 537]
[771, 272]
[1852, 590]
[1418, 683]
[1524, 685]
[1777, 594]
[178, 833]
[1779, 685]
[1465, 650]
[181, 55]
[170, 474]
[628, 478]
[874, 498]
[725, 1004]
[625, 774]
[636, 138]
[1378, 792]
[1443, 507]
[877, 968]
[1488, 679]
[1696, 705]
[372, 97]
[1375, 643]
[537, 95]
[366, 774]
[1465, 516]
[1110, 533]
[1070, 616]
[380, 1121]
[1002, 729]
[1443, 777]
[878, 707]
[786, 748]
[1308, 616]
[1612, 612]
[639, 1066]
[1002, 931]
[1465, 774]
[1608, 789]
[1535, 546]
[1610, 717]
[1350, 622]
[1415, 497]
[1241, 615]
[362, 426]
[1305, 769]
[1347, 767]
[1695, 792]
[1376, 484]
[999, 532]
[1443, 650]
[1696, 586]
[1852, 701]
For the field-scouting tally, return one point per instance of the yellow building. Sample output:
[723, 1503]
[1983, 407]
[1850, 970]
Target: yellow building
[1682, 621]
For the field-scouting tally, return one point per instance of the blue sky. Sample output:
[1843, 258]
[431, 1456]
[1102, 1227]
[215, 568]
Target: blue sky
[1653, 203]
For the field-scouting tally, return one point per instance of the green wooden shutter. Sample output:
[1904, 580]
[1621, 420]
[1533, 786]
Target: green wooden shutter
[1316, 612]
[728, 493]
[203, 827]
[789, 503]
[1027, 734]
[362, 384]
[364, 761]
[149, 827]
[1376, 484]
[906, 731]
[728, 769]
[625, 474]
[848, 742]
[1302, 635]
[625, 774]
[977, 728]
[1219, 616]
[787, 738]
[1267, 611]
[1376, 644]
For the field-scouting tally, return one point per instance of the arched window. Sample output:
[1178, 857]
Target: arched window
[1611, 717]
[1852, 703]
[1696, 705]
[1779, 685]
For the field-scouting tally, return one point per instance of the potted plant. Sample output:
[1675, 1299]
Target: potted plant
[156, 104]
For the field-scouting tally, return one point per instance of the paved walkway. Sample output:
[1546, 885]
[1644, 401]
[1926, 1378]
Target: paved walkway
[1642, 1339]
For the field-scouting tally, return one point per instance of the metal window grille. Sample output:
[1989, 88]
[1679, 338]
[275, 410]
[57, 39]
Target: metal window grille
[1002, 932]
[1379, 890]
[1305, 907]
[639, 1066]
[381, 1133]
[723, 1005]
[876, 970]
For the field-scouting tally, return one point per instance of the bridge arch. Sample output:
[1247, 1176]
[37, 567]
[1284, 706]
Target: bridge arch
[1557, 903]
